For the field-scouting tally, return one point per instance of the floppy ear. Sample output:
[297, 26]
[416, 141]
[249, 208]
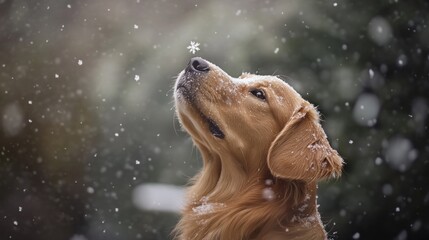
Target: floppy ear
[301, 150]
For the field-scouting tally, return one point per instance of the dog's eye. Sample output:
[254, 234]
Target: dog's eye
[258, 93]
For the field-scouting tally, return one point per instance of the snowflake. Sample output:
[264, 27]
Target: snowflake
[193, 47]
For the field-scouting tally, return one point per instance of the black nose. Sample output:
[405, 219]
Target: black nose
[198, 64]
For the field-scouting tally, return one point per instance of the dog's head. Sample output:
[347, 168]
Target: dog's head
[259, 120]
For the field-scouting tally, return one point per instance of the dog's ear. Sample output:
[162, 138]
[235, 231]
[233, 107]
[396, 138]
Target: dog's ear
[301, 150]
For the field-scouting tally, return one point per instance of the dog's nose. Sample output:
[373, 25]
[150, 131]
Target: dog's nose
[198, 64]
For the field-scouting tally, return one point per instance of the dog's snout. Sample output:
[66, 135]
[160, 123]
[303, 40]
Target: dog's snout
[198, 64]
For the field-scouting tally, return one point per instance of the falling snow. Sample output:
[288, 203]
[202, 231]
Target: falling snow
[371, 73]
[378, 161]
[380, 30]
[193, 48]
[268, 194]
[90, 190]
[276, 50]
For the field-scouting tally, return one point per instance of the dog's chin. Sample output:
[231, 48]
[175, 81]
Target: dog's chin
[182, 90]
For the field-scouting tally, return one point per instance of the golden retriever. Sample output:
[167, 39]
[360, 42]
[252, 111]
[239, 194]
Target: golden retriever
[263, 151]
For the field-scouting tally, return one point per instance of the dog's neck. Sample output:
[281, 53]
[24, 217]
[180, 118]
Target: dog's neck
[247, 202]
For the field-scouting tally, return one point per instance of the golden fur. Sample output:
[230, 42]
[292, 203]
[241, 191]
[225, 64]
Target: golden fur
[262, 157]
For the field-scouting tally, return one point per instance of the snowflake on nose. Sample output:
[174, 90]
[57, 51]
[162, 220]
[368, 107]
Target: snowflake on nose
[193, 48]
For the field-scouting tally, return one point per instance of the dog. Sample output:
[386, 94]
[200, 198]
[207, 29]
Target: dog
[263, 152]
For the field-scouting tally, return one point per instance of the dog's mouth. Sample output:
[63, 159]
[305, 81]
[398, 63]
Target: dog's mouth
[187, 86]
[213, 127]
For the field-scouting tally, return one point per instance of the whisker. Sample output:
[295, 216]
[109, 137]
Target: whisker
[274, 73]
[284, 77]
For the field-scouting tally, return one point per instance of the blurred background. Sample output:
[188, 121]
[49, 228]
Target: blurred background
[90, 147]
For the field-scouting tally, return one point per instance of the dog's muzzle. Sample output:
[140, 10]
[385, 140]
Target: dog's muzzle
[188, 85]
[190, 80]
